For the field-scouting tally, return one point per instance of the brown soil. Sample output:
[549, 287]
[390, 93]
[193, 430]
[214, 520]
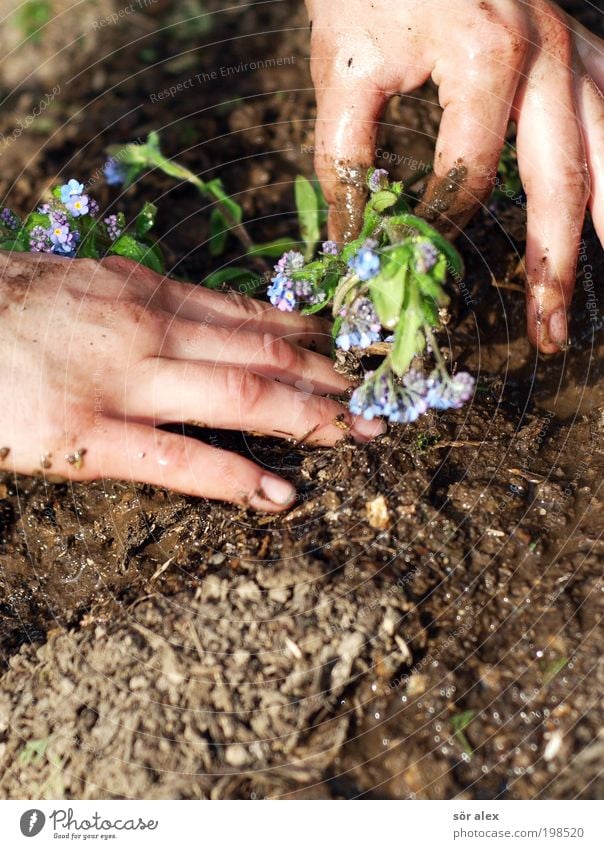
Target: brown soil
[423, 624]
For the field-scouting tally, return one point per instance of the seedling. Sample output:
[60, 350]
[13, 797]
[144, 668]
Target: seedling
[70, 225]
[386, 285]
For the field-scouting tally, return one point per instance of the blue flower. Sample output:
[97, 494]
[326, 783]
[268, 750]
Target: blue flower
[72, 187]
[283, 291]
[59, 233]
[329, 248]
[378, 180]
[381, 395]
[281, 294]
[63, 240]
[115, 173]
[360, 326]
[446, 393]
[365, 263]
[78, 205]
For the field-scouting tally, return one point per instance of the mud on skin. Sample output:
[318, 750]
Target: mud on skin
[156, 647]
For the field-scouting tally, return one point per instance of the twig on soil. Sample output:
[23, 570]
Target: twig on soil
[161, 569]
[455, 443]
[514, 287]
[305, 436]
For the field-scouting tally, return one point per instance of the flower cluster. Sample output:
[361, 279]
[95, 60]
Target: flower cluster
[286, 291]
[378, 180]
[406, 400]
[360, 325]
[69, 224]
[61, 236]
[426, 256]
[366, 262]
[282, 292]
[329, 248]
[114, 231]
[381, 395]
[387, 284]
[449, 393]
[9, 220]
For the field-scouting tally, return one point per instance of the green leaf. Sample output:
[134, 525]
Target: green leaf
[37, 219]
[15, 244]
[229, 275]
[383, 200]
[407, 343]
[418, 225]
[459, 723]
[387, 291]
[229, 207]
[219, 231]
[311, 309]
[430, 312]
[145, 219]
[274, 248]
[88, 246]
[322, 204]
[431, 288]
[554, 669]
[131, 248]
[371, 224]
[307, 205]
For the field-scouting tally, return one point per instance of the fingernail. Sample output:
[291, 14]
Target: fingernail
[558, 331]
[277, 490]
[368, 429]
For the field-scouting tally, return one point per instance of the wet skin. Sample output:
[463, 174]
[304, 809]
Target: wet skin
[494, 62]
[96, 355]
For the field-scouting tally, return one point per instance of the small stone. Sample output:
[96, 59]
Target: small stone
[279, 594]
[249, 591]
[237, 755]
[390, 621]
[377, 513]
[211, 589]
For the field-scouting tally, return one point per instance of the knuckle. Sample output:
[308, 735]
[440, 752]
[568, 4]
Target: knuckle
[87, 267]
[280, 351]
[574, 182]
[248, 306]
[244, 388]
[323, 411]
[172, 451]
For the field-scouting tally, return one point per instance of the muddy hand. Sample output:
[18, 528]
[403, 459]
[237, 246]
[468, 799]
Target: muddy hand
[494, 61]
[95, 355]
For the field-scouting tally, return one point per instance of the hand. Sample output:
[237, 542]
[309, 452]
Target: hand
[493, 61]
[96, 354]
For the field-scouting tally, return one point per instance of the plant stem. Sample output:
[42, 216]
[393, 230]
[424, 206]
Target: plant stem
[343, 290]
[436, 350]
